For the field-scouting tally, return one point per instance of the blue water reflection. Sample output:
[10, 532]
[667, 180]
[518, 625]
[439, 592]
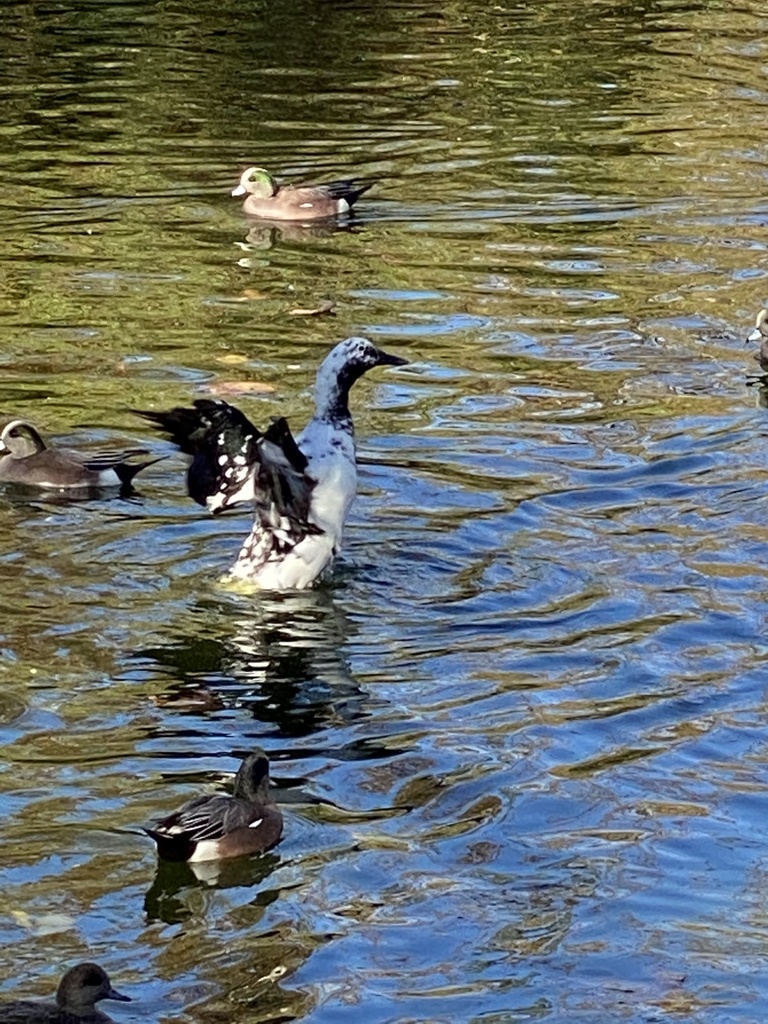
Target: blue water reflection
[518, 738]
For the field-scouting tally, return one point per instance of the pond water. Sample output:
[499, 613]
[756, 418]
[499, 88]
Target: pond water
[520, 737]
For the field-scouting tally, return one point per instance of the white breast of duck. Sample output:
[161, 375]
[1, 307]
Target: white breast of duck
[282, 551]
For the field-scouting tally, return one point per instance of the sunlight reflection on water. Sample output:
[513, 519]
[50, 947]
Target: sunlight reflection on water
[518, 737]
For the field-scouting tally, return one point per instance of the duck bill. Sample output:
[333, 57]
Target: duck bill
[756, 335]
[117, 996]
[386, 359]
[238, 190]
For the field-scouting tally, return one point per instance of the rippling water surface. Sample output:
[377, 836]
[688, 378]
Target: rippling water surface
[519, 738]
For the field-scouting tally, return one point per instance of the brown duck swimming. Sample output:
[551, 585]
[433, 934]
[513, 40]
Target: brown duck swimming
[266, 199]
[215, 825]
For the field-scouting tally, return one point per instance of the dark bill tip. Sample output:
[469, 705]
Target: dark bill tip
[385, 359]
[114, 994]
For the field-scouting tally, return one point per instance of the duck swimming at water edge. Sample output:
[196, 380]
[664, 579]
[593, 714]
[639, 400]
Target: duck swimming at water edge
[760, 333]
[302, 488]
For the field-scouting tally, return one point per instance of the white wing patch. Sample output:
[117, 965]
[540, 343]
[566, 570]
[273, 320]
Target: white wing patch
[255, 824]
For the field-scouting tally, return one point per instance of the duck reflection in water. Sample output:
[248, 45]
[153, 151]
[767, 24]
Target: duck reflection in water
[267, 234]
[168, 898]
[281, 657]
[760, 384]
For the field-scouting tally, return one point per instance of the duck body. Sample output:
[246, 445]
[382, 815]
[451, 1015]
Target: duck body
[216, 826]
[760, 333]
[79, 990]
[281, 554]
[301, 488]
[266, 199]
[26, 460]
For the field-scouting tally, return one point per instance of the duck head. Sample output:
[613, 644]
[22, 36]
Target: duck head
[760, 333]
[343, 365]
[255, 181]
[20, 439]
[252, 779]
[83, 986]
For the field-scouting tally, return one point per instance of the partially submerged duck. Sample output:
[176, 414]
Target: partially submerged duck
[213, 826]
[760, 333]
[302, 487]
[266, 199]
[26, 459]
[79, 990]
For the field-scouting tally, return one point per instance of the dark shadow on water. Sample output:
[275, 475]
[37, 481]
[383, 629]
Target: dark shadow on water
[166, 898]
[280, 656]
[266, 234]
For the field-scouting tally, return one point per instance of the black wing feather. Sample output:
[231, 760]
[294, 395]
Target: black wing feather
[283, 489]
[208, 432]
[229, 453]
[207, 818]
[115, 459]
[348, 188]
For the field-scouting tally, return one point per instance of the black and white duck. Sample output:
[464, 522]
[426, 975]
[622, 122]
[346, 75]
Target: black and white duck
[302, 488]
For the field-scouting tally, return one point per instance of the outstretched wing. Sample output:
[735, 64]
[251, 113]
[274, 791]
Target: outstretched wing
[283, 491]
[223, 444]
[234, 462]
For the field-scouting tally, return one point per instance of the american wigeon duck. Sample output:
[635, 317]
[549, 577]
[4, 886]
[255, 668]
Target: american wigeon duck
[26, 459]
[265, 198]
[302, 488]
[79, 991]
[760, 333]
[214, 826]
